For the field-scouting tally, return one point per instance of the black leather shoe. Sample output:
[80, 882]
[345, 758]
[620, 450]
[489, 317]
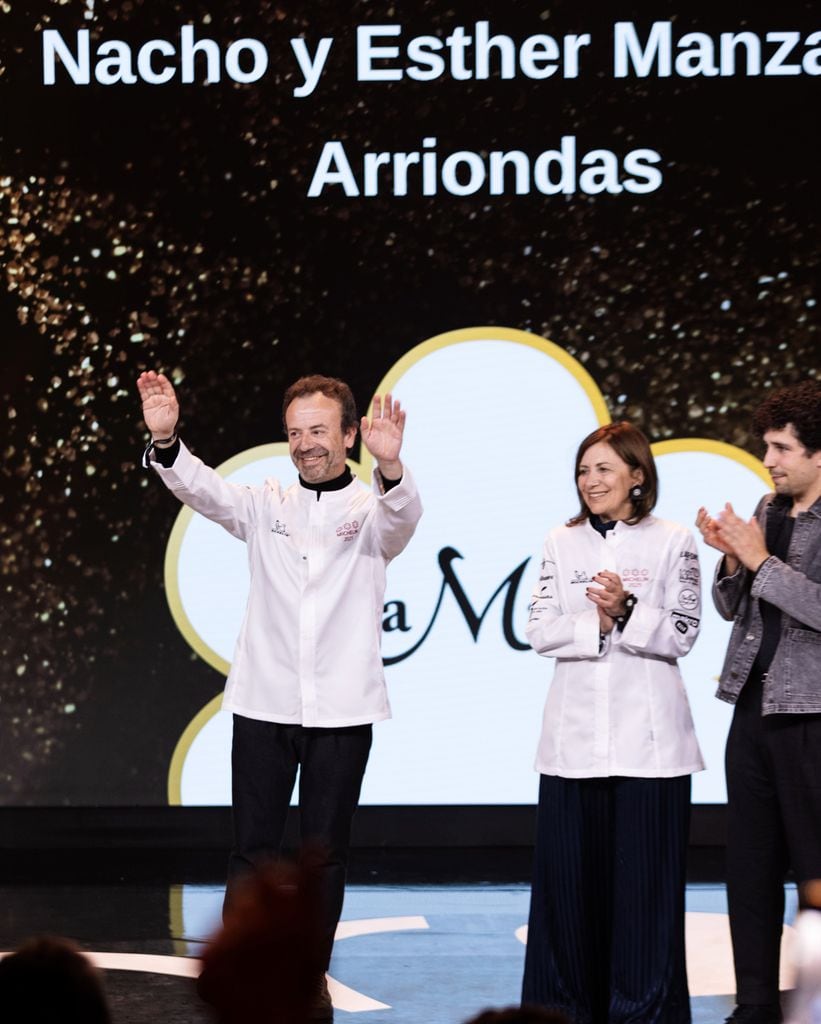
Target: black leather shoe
[750, 1013]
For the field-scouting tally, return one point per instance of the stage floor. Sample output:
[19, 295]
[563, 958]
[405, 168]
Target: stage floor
[419, 954]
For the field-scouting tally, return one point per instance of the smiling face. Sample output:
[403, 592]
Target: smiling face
[796, 472]
[604, 482]
[317, 443]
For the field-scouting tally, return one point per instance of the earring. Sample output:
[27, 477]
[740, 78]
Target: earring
[636, 492]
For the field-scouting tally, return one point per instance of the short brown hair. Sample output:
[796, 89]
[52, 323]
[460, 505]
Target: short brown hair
[330, 387]
[632, 447]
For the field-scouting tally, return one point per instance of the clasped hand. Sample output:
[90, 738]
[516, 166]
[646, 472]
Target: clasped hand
[608, 597]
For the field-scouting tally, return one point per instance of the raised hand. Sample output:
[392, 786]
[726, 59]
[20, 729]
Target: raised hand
[160, 407]
[382, 435]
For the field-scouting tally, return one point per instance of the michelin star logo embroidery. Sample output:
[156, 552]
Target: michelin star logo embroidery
[348, 530]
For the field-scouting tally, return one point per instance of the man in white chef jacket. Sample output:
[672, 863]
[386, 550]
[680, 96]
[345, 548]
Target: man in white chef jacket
[306, 682]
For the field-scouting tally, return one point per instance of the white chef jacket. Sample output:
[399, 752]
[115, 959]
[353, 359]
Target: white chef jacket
[308, 651]
[621, 710]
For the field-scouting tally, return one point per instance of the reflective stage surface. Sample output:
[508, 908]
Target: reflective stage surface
[410, 954]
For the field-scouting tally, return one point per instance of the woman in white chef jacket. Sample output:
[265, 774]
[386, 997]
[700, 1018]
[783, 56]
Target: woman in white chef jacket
[617, 602]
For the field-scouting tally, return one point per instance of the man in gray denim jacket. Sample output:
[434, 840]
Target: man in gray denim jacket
[769, 583]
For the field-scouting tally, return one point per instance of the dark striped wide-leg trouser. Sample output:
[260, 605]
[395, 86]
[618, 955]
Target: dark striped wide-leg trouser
[606, 932]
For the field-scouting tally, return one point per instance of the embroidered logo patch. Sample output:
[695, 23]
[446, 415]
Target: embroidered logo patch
[684, 622]
[348, 530]
[580, 576]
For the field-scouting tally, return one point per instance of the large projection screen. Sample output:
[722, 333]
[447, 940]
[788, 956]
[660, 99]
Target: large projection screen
[526, 219]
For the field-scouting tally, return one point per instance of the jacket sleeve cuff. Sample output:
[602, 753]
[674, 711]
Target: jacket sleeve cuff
[166, 456]
[728, 583]
[176, 473]
[762, 575]
[586, 635]
[720, 576]
[400, 492]
[639, 627]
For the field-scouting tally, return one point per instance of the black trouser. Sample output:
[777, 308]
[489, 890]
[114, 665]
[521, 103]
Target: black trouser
[605, 938]
[264, 761]
[773, 765]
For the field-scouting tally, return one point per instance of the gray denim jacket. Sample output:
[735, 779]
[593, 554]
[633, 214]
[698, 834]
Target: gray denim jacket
[793, 681]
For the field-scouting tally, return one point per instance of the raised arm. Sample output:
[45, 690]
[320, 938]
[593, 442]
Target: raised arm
[399, 507]
[232, 506]
[382, 435]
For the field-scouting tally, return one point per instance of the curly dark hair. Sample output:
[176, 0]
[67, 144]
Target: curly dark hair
[330, 387]
[799, 406]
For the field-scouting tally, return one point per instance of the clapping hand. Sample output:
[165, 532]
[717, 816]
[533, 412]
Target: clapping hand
[739, 540]
[744, 538]
[710, 530]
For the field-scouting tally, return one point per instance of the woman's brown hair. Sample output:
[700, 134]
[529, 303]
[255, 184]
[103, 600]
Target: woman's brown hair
[632, 447]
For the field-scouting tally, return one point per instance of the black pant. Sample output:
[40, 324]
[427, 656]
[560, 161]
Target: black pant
[264, 761]
[605, 938]
[773, 765]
